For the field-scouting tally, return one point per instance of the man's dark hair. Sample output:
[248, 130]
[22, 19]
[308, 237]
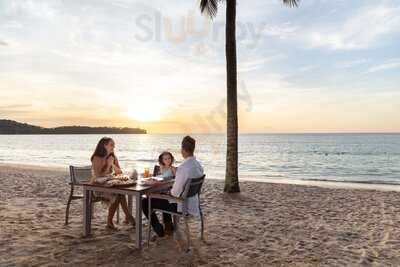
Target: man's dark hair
[188, 144]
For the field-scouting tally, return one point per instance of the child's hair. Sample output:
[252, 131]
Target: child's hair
[160, 158]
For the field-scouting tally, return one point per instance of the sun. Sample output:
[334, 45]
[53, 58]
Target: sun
[145, 113]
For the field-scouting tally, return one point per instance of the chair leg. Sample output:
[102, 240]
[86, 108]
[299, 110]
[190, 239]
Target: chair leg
[202, 225]
[175, 220]
[118, 214]
[92, 205]
[68, 205]
[149, 228]
[177, 235]
[92, 209]
[187, 230]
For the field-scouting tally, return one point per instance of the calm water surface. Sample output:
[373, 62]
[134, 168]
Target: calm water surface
[373, 158]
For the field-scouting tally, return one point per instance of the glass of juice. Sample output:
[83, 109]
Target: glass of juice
[146, 173]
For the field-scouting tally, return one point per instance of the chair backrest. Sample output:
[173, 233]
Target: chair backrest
[80, 174]
[193, 187]
[156, 170]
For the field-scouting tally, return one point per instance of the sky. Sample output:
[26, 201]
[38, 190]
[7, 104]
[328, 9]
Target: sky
[326, 66]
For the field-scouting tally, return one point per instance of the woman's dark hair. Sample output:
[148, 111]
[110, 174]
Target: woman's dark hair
[160, 158]
[100, 150]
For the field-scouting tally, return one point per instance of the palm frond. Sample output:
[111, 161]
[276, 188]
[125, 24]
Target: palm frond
[209, 7]
[291, 3]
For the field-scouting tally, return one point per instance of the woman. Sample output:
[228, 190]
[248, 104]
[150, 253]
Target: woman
[104, 162]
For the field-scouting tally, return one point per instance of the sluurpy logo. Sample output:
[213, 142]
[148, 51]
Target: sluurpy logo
[197, 34]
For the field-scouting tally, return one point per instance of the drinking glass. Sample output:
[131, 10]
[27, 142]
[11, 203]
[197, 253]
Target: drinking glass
[146, 172]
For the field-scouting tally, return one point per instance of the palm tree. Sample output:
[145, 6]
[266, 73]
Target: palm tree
[210, 7]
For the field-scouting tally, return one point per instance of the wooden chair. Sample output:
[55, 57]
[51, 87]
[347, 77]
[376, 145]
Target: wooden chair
[156, 170]
[192, 188]
[78, 176]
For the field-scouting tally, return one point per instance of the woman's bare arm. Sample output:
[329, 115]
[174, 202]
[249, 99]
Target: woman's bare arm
[117, 167]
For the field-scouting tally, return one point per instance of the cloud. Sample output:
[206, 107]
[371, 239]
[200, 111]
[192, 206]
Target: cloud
[11, 25]
[307, 68]
[14, 110]
[33, 9]
[281, 31]
[390, 64]
[3, 43]
[351, 63]
[17, 106]
[252, 65]
[361, 31]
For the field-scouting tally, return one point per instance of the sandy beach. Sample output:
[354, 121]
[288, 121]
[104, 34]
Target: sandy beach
[265, 225]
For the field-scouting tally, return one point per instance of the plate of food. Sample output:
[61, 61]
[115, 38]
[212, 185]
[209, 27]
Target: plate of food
[119, 183]
[120, 180]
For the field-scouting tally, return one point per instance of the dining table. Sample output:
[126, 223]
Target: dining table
[136, 191]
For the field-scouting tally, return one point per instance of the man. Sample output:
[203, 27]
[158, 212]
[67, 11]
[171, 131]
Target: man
[190, 168]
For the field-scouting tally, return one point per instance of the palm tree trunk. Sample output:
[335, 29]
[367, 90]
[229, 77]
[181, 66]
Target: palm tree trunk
[231, 178]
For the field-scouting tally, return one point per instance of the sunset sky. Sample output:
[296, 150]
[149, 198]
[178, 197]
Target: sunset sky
[327, 66]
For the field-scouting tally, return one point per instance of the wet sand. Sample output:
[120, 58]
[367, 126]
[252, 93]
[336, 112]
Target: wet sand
[267, 224]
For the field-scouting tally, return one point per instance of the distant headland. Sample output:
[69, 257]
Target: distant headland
[14, 127]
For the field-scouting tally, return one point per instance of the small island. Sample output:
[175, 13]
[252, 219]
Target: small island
[14, 127]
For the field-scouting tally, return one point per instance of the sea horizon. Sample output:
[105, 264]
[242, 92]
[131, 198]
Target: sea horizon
[224, 133]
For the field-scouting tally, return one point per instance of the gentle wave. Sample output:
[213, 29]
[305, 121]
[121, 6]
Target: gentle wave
[146, 160]
[327, 153]
[354, 181]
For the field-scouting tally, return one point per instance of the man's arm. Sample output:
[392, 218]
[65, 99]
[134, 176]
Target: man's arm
[180, 182]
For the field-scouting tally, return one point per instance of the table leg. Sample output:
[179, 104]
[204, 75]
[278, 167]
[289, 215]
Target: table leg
[86, 212]
[139, 221]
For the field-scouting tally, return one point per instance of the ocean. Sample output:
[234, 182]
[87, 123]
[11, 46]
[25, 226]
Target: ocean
[366, 158]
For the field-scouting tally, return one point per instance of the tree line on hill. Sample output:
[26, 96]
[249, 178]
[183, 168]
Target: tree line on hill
[14, 127]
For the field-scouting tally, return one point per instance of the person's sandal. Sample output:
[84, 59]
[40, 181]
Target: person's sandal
[130, 220]
[111, 227]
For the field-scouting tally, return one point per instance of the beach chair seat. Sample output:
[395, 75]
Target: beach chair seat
[192, 188]
[78, 176]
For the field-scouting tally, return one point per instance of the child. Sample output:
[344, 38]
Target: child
[166, 161]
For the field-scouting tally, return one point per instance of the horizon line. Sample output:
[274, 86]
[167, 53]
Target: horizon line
[317, 132]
